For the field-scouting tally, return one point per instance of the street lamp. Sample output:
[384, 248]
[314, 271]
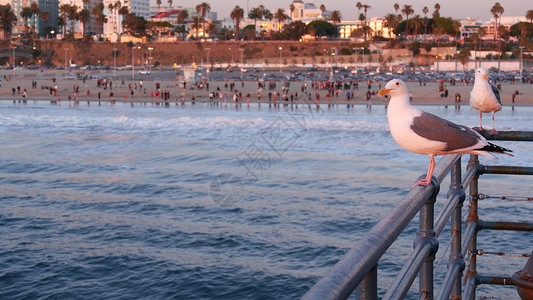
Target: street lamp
[115, 61]
[331, 65]
[66, 62]
[363, 57]
[150, 58]
[13, 61]
[280, 59]
[521, 61]
[242, 62]
[207, 62]
[133, 62]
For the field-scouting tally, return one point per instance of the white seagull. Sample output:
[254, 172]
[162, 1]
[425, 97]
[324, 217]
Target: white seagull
[424, 133]
[485, 98]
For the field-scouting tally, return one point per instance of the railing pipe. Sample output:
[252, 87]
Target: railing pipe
[524, 136]
[368, 288]
[473, 217]
[426, 235]
[449, 282]
[456, 256]
[407, 275]
[348, 272]
[471, 173]
[445, 213]
[517, 226]
[470, 288]
[470, 232]
[496, 280]
[507, 170]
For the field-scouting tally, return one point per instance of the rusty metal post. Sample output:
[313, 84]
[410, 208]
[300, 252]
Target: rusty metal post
[426, 233]
[473, 217]
[368, 288]
[456, 256]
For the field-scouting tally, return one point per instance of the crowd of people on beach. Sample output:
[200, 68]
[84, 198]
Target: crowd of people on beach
[230, 90]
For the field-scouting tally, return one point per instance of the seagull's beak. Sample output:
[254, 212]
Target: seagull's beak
[486, 77]
[384, 92]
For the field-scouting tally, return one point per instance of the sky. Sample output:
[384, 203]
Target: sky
[456, 9]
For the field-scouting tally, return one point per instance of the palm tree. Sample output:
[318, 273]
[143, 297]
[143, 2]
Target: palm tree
[123, 11]
[203, 9]
[84, 16]
[396, 7]
[425, 22]
[391, 21]
[255, 13]
[292, 8]
[182, 17]
[436, 13]
[496, 11]
[359, 7]
[98, 12]
[26, 13]
[7, 19]
[407, 10]
[529, 15]
[44, 16]
[280, 16]
[236, 15]
[158, 2]
[73, 16]
[425, 11]
[365, 9]
[169, 4]
[322, 7]
[111, 8]
[463, 56]
[35, 12]
[416, 22]
[335, 18]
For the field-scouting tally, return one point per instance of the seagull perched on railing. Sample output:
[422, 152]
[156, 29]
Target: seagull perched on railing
[485, 98]
[424, 133]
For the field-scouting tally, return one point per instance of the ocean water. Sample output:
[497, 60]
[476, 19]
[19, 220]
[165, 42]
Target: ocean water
[216, 202]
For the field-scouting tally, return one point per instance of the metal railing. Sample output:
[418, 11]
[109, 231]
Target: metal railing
[357, 270]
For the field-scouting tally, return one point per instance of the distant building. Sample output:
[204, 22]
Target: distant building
[91, 26]
[51, 6]
[170, 15]
[376, 25]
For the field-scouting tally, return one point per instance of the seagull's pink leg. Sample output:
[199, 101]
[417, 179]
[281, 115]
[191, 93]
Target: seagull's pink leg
[493, 131]
[480, 128]
[426, 181]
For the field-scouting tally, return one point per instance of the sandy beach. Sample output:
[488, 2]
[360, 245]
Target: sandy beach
[88, 90]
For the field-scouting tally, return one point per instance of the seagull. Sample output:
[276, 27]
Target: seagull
[485, 98]
[424, 133]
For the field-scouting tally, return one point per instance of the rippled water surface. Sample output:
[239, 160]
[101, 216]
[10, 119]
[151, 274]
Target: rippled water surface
[121, 202]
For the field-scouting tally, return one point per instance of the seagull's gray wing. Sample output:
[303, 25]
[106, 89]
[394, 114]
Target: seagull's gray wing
[496, 93]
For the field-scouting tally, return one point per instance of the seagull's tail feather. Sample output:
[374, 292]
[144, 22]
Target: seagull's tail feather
[492, 148]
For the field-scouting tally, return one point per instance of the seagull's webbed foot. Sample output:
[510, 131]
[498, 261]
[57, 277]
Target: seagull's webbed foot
[422, 182]
[492, 131]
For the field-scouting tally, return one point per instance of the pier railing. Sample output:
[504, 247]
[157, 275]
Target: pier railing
[357, 270]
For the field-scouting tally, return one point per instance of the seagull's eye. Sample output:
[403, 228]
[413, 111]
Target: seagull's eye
[397, 83]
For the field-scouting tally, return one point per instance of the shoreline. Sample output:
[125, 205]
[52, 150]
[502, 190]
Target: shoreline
[88, 90]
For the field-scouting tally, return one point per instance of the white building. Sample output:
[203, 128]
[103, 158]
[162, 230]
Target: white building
[305, 12]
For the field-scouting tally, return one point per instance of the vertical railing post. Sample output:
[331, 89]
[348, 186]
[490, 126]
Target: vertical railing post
[473, 217]
[368, 288]
[456, 255]
[426, 232]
